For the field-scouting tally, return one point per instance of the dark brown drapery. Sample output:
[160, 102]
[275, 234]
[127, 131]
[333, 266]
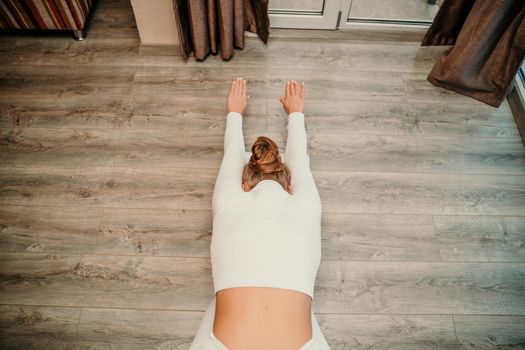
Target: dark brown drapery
[489, 46]
[205, 26]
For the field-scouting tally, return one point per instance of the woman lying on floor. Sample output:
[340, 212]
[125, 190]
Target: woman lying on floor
[266, 242]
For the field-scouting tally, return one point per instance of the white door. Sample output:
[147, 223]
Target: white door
[306, 14]
[342, 14]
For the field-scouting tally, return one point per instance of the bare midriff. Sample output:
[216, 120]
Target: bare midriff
[260, 318]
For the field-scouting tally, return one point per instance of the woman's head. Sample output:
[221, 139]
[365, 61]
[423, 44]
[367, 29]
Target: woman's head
[265, 164]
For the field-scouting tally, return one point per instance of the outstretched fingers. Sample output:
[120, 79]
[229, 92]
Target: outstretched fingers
[302, 90]
[232, 88]
[238, 86]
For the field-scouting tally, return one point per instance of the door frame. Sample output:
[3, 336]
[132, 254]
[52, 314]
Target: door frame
[332, 17]
[377, 23]
[327, 19]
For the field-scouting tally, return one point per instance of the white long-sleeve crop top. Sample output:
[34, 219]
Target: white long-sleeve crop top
[265, 237]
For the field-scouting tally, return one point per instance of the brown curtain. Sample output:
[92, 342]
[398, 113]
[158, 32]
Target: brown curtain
[207, 26]
[489, 46]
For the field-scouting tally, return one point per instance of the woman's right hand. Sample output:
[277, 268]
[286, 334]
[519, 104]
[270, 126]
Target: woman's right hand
[293, 99]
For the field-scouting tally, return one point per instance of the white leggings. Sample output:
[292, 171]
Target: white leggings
[205, 339]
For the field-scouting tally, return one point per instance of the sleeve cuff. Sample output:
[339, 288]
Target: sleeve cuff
[234, 115]
[296, 115]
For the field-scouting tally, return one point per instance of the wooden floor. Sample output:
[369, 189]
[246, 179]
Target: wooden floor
[109, 152]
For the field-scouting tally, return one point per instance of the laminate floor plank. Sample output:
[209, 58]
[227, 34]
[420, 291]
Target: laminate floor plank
[442, 118]
[373, 287]
[39, 146]
[29, 95]
[158, 329]
[115, 17]
[490, 332]
[341, 192]
[307, 53]
[187, 233]
[70, 53]
[322, 84]
[101, 328]
[471, 156]
[418, 88]
[379, 237]
[6, 47]
[109, 151]
[420, 288]
[142, 282]
[348, 117]
[363, 153]
[183, 233]
[38, 327]
[166, 111]
[50, 229]
[412, 193]
[485, 238]
[382, 332]
[110, 187]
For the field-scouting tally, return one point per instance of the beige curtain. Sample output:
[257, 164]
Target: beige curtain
[210, 26]
[489, 46]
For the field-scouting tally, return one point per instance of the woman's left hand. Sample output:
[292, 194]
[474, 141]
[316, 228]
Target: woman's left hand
[238, 98]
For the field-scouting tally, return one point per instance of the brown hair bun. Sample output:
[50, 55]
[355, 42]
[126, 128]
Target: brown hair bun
[265, 156]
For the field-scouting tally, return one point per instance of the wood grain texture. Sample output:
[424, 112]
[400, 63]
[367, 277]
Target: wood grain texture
[6, 47]
[39, 146]
[109, 151]
[38, 327]
[136, 329]
[423, 332]
[187, 233]
[363, 153]
[92, 52]
[490, 332]
[94, 280]
[442, 118]
[348, 117]
[166, 111]
[414, 193]
[185, 284]
[115, 17]
[158, 329]
[183, 233]
[269, 81]
[62, 91]
[309, 53]
[418, 88]
[478, 156]
[434, 288]
[341, 192]
[485, 238]
[50, 229]
[167, 188]
[378, 237]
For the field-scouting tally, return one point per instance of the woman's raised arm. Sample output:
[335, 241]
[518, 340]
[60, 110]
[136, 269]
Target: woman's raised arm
[230, 174]
[296, 155]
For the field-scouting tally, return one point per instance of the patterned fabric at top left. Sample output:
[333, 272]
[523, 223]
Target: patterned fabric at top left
[44, 14]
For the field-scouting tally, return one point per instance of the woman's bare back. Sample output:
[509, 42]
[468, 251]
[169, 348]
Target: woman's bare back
[260, 318]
